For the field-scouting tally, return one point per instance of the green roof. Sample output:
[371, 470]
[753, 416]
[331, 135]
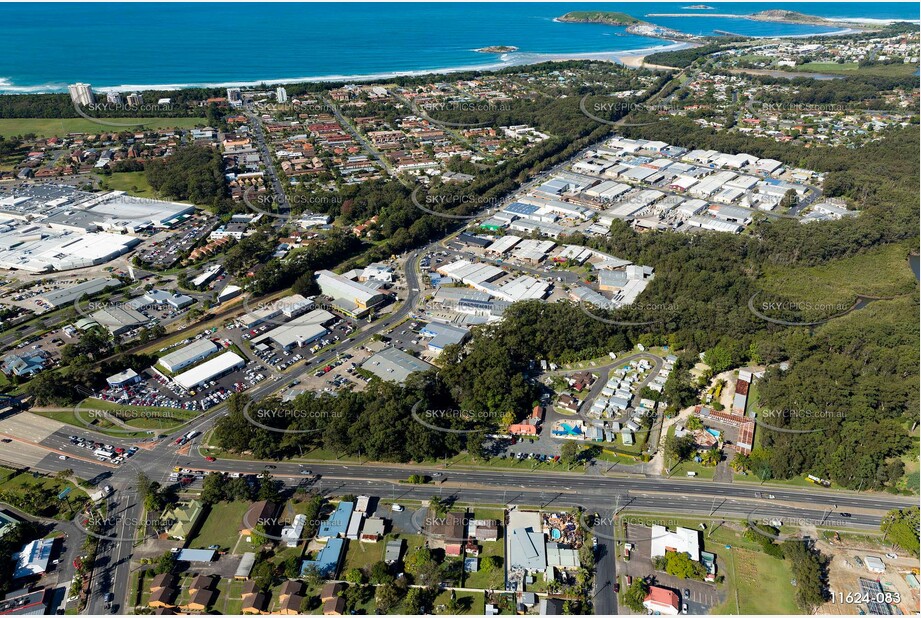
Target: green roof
[184, 518]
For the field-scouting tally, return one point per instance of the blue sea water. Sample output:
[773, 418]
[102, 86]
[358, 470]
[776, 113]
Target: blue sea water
[43, 46]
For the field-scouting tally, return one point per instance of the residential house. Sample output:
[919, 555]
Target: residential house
[393, 551]
[290, 598]
[373, 530]
[448, 531]
[662, 601]
[255, 600]
[163, 580]
[184, 518]
[163, 597]
[334, 607]
[568, 402]
[331, 590]
[200, 601]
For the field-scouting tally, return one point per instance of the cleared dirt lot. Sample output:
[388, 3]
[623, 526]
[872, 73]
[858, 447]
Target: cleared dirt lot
[844, 575]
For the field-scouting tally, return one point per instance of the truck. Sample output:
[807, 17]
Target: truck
[191, 435]
[103, 452]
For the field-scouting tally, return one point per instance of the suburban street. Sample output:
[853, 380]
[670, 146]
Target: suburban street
[594, 492]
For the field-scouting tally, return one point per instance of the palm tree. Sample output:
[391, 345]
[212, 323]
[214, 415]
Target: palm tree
[711, 457]
[438, 505]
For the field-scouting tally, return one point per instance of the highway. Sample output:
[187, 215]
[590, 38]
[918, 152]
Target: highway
[595, 492]
[111, 572]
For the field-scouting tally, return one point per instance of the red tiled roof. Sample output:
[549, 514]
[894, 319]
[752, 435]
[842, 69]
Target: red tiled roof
[662, 596]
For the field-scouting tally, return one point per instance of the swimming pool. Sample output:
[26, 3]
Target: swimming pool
[713, 432]
[565, 429]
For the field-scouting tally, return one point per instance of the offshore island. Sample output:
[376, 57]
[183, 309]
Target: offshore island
[497, 49]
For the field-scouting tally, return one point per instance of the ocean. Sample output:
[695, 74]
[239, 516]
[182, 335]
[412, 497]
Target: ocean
[133, 46]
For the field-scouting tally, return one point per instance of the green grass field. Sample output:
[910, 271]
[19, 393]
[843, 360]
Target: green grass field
[472, 603]
[851, 68]
[362, 555]
[15, 488]
[221, 527]
[133, 183]
[51, 127]
[758, 584]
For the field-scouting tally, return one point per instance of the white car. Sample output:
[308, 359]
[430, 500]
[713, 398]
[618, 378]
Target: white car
[892, 556]
[396, 508]
[62, 457]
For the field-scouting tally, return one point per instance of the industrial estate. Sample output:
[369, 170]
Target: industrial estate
[577, 337]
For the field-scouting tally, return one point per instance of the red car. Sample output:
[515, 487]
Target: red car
[210, 459]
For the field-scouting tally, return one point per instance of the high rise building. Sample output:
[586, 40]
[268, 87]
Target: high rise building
[81, 94]
[281, 95]
[135, 99]
[114, 97]
[234, 97]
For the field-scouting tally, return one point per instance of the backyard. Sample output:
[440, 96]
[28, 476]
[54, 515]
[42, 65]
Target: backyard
[221, 526]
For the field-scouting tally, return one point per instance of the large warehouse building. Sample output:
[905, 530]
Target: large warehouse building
[119, 320]
[53, 228]
[188, 356]
[214, 368]
[350, 296]
[393, 365]
[300, 331]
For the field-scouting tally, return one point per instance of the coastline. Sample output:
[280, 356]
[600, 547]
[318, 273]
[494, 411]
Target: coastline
[506, 60]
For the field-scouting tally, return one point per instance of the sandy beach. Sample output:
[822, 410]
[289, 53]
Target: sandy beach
[636, 62]
[637, 59]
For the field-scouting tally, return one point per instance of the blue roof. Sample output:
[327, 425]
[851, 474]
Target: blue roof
[443, 334]
[27, 364]
[327, 560]
[338, 522]
[518, 208]
[637, 161]
[195, 555]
